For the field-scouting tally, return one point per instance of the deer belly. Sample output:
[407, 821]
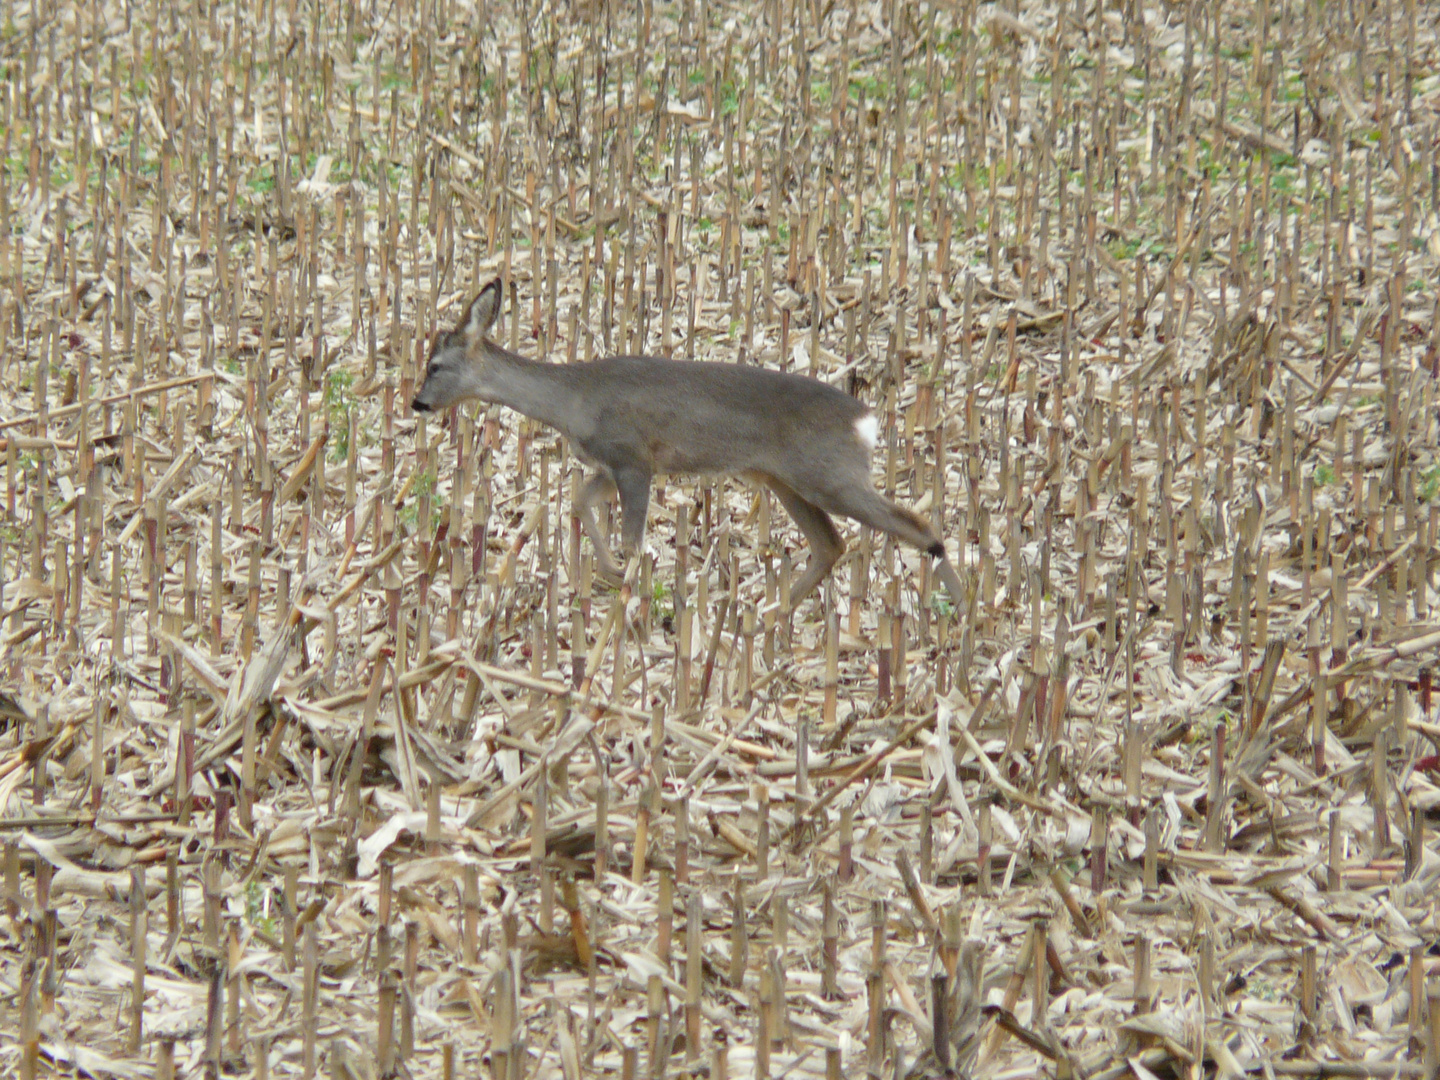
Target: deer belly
[692, 461]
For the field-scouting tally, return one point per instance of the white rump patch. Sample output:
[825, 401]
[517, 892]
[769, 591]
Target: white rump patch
[868, 428]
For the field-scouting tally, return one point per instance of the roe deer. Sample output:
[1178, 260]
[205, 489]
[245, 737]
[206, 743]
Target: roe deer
[633, 416]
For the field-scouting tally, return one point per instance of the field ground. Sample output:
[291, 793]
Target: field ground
[323, 748]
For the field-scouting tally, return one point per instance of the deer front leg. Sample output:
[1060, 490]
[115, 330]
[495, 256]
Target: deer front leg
[633, 484]
[597, 488]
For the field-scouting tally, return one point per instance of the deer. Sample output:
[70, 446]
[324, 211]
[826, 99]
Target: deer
[630, 417]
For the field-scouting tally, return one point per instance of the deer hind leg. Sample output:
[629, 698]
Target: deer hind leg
[869, 507]
[826, 544]
[597, 488]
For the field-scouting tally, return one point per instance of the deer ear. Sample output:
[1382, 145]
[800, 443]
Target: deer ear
[483, 310]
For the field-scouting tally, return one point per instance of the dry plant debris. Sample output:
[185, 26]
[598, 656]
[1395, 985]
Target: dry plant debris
[321, 749]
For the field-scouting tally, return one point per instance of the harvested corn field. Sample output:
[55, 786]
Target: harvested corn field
[326, 747]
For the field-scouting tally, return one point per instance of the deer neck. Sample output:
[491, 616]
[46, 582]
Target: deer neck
[540, 391]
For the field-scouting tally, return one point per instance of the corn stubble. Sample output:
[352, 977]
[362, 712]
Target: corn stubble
[323, 745]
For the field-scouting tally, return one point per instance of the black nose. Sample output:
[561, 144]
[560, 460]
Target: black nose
[419, 406]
